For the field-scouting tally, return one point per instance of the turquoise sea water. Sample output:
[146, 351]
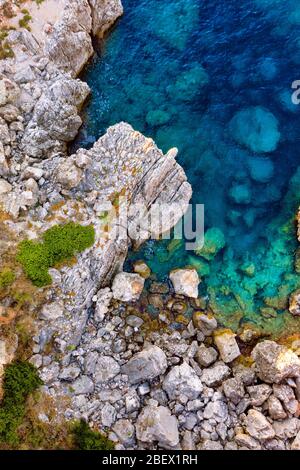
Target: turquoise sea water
[213, 78]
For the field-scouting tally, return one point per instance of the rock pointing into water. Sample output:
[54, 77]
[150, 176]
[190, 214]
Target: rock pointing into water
[127, 287]
[156, 424]
[274, 362]
[146, 365]
[185, 282]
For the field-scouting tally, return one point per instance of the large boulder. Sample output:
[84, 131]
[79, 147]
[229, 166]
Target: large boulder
[275, 362]
[146, 365]
[127, 287]
[156, 424]
[185, 282]
[182, 380]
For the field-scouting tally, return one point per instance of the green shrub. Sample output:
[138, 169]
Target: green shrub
[20, 380]
[7, 277]
[60, 244]
[6, 51]
[87, 439]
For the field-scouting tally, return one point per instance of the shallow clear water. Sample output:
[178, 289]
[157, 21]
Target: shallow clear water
[213, 78]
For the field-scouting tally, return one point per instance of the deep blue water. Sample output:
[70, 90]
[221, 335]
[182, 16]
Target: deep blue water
[213, 78]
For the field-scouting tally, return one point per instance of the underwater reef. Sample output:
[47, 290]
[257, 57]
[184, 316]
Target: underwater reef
[214, 79]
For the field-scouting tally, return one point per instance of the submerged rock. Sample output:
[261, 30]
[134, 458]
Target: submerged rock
[256, 128]
[214, 241]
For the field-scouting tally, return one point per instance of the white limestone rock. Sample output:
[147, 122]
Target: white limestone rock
[185, 282]
[275, 362]
[227, 345]
[258, 426]
[127, 287]
[155, 424]
[182, 380]
[146, 365]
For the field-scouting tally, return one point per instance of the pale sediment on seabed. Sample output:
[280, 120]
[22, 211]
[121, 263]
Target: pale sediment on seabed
[146, 385]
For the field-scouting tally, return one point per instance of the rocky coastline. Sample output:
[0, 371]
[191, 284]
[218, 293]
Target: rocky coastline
[176, 380]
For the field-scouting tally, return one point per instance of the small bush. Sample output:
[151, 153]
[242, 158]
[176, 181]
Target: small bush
[6, 51]
[60, 243]
[24, 22]
[7, 277]
[87, 439]
[20, 380]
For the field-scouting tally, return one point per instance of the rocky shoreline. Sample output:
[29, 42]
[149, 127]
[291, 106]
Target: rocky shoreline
[165, 382]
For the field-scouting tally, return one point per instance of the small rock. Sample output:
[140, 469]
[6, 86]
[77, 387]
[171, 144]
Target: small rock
[187, 442]
[227, 345]
[83, 386]
[5, 187]
[106, 369]
[258, 426]
[108, 415]
[244, 440]
[216, 410]
[245, 374]
[275, 408]
[259, 394]
[127, 287]
[210, 445]
[182, 380]
[215, 375]
[185, 282]
[146, 365]
[296, 443]
[141, 268]
[205, 323]
[134, 321]
[70, 373]
[286, 429]
[52, 311]
[294, 307]
[132, 402]
[68, 175]
[234, 390]
[156, 424]
[104, 297]
[275, 362]
[125, 431]
[206, 356]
